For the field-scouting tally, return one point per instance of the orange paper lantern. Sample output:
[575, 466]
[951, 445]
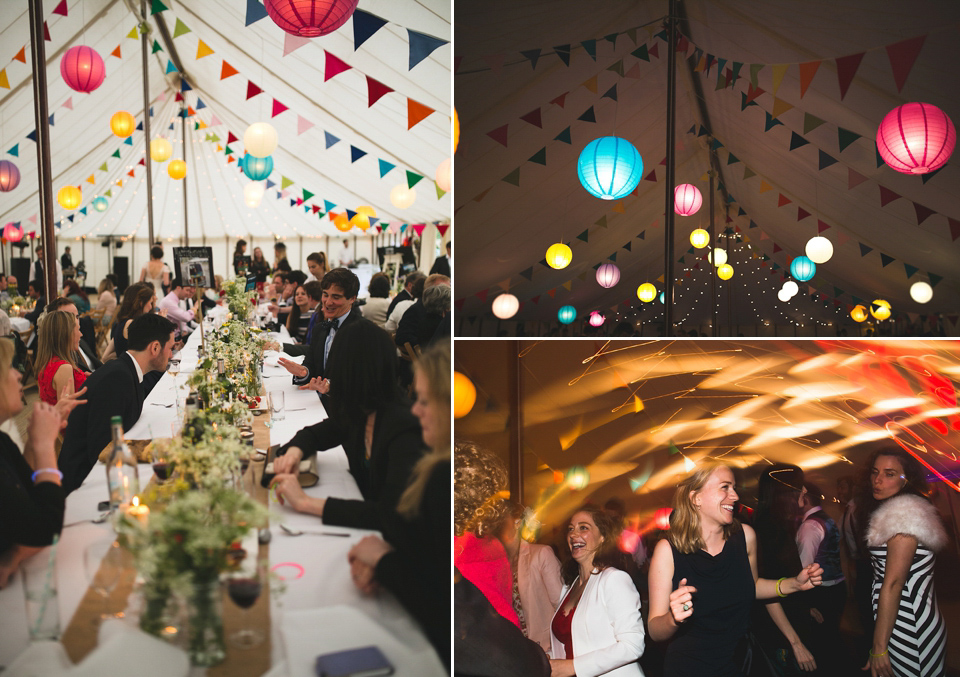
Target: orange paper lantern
[177, 169]
[122, 124]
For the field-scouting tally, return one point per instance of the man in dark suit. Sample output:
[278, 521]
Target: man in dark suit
[442, 264]
[116, 389]
[419, 323]
[87, 359]
[406, 294]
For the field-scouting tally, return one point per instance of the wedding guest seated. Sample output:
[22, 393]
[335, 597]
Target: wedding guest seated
[139, 298]
[317, 265]
[4, 294]
[171, 303]
[396, 312]
[106, 300]
[371, 419]
[302, 312]
[72, 291]
[284, 306]
[57, 345]
[406, 294]
[34, 292]
[85, 357]
[375, 309]
[116, 389]
[419, 323]
[13, 287]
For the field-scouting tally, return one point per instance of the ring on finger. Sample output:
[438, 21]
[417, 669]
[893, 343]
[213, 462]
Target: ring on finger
[686, 607]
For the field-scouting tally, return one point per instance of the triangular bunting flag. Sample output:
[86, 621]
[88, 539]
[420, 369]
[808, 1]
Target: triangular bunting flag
[783, 200]
[513, 177]
[652, 176]
[499, 135]
[886, 260]
[252, 90]
[923, 213]
[416, 112]
[133, 33]
[375, 90]
[21, 56]
[180, 29]
[887, 196]
[826, 160]
[364, 26]
[156, 7]
[854, 179]
[810, 122]
[540, 157]
[226, 70]
[796, 141]
[807, 71]
[533, 55]
[902, 56]
[291, 43]
[563, 51]
[533, 117]
[640, 52]
[116, 52]
[748, 173]
[327, 205]
[203, 49]
[4, 80]
[764, 186]
[385, 167]
[412, 178]
[910, 270]
[780, 107]
[170, 67]
[934, 279]
[528, 274]
[588, 115]
[770, 123]
[864, 249]
[356, 154]
[303, 124]
[334, 66]
[255, 12]
[156, 47]
[307, 194]
[591, 48]
[285, 182]
[732, 159]
[821, 226]
[231, 138]
[563, 136]
[115, 153]
[421, 46]
[330, 139]
[277, 108]
[847, 68]
[802, 213]
[103, 167]
[846, 137]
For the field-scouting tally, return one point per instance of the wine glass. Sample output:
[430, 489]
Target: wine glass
[162, 467]
[244, 588]
[103, 563]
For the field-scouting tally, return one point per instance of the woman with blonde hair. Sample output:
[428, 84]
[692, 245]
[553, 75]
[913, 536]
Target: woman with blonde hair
[58, 340]
[106, 300]
[703, 578]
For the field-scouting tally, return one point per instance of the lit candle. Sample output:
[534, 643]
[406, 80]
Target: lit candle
[140, 512]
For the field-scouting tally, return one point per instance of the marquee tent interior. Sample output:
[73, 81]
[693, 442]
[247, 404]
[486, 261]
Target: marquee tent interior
[781, 100]
[357, 112]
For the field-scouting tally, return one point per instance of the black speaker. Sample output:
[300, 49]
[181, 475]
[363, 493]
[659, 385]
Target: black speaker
[122, 272]
[20, 267]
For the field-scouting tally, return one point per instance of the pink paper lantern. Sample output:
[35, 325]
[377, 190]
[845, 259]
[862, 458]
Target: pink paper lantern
[9, 176]
[686, 199]
[608, 275]
[596, 319]
[916, 138]
[11, 233]
[310, 18]
[82, 69]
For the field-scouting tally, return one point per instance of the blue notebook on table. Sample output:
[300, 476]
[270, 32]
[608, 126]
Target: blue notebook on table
[366, 661]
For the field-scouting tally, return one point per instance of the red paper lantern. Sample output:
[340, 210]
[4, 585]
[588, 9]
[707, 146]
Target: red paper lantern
[686, 199]
[12, 233]
[310, 18]
[9, 176]
[916, 138]
[82, 69]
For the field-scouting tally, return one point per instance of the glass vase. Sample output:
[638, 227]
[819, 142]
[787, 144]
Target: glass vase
[205, 643]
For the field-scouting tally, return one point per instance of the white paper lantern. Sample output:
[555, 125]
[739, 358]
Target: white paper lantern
[505, 306]
[253, 193]
[260, 139]
[791, 287]
[721, 256]
[819, 249]
[783, 295]
[921, 292]
[403, 197]
[444, 176]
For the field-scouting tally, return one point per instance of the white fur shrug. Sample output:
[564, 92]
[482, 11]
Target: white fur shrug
[910, 515]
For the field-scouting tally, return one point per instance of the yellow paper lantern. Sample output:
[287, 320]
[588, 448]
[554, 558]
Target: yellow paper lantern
[559, 256]
[646, 292]
[122, 124]
[456, 130]
[177, 169]
[160, 150]
[859, 314]
[341, 223]
[880, 309]
[725, 271]
[464, 395]
[403, 197]
[699, 238]
[444, 176]
[69, 197]
[362, 218]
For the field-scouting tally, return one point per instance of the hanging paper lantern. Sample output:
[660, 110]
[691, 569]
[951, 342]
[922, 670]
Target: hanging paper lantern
[444, 176]
[578, 477]
[505, 306]
[253, 193]
[9, 176]
[260, 139]
[819, 249]
[100, 204]
[567, 314]
[699, 238]
[12, 233]
[802, 268]
[646, 292]
[310, 18]
[662, 299]
[880, 309]
[160, 150]
[719, 254]
[608, 275]
[791, 287]
[177, 169]
[256, 168]
[456, 130]
[559, 256]
[122, 124]
[69, 197]
[661, 518]
[725, 271]
[859, 313]
[921, 292]
[783, 295]
[610, 167]
[341, 223]
[686, 199]
[596, 319]
[916, 138]
[403, 197]
[464, 395]
[82, 69]
[362, 218]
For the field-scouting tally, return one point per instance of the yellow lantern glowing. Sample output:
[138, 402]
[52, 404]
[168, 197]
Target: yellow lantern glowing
[717, 257]
[699, 238]
[69, 197]
[859, 314]
[725, 271]
[160, 150]
[341, 223]
[403, 197]
[646, 292]
[456, 130]
[559, 256]
[464, 395]
[362, 218]
[880, 309]
[122, 124]
[177, 169]
[444, 175]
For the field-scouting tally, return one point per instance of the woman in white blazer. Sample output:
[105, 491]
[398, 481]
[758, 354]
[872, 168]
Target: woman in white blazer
[597, 629]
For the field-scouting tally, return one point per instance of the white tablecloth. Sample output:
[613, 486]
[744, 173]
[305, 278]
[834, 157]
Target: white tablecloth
[19, 324]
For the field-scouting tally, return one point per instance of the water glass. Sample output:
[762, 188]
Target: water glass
[40, 589]
[276, 405]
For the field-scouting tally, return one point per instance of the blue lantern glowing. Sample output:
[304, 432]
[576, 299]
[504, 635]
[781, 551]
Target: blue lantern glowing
[567, 314]
[100, 204]
[610, 167]
[803, 269]
[256, 168]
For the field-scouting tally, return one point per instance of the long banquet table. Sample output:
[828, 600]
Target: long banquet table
[319, 611]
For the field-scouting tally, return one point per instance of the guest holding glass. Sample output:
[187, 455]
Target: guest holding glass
[703, 578]
[57, 346]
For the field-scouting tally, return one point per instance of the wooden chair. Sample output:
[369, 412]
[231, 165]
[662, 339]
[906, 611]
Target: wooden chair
[411, 353]
[25, 336]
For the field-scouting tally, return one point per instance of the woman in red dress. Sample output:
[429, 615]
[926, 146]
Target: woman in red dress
[58, 341]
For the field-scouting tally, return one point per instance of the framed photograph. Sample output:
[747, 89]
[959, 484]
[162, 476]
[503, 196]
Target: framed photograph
[194, 265]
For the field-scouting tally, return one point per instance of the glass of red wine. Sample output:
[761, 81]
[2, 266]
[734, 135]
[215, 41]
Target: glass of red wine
[162, 467]
[244, 586]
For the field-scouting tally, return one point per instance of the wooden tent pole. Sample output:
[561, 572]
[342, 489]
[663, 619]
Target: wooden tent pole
[183, 127]
[42, 117]
[144, 46]
[711, 267]
[668, 231]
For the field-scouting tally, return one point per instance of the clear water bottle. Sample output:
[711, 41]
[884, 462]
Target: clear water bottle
[122, 477]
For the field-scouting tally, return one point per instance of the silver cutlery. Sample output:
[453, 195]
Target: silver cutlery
[297, 532]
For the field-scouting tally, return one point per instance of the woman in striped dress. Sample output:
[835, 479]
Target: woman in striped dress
[910, 638]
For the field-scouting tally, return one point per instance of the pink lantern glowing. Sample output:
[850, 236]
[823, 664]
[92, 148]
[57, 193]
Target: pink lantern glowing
[310, 18]
[9, 176]
[686, 199]
[608, 275]
[596, 319]
[82, 68]
[916, 138]
[661, 518]
[11, 233]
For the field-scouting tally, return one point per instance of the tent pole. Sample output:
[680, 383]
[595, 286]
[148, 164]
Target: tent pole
[183, 126]
[726, 213]
[710, 267]
[146, 120]
[671, 166]
[42, 116]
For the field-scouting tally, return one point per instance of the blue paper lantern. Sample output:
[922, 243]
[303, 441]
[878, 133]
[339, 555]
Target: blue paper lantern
[256, 168]
[100, 204]
[803, 269]
[567, 314]
[610, 168]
